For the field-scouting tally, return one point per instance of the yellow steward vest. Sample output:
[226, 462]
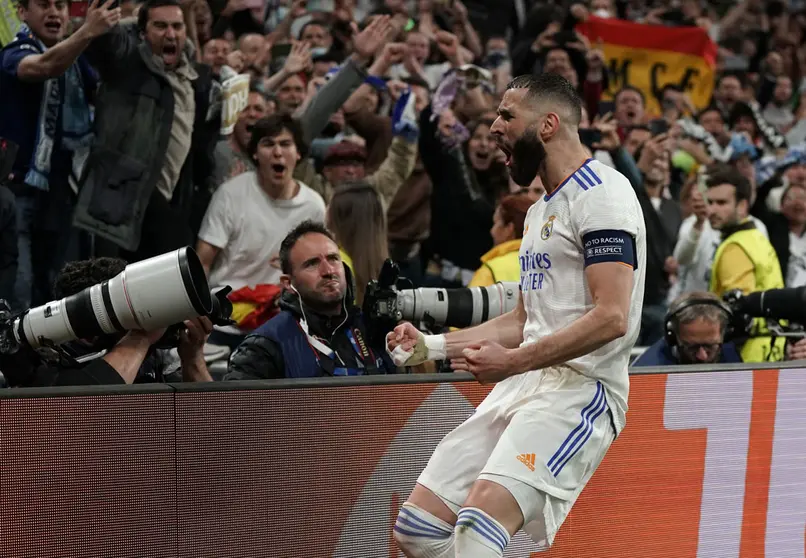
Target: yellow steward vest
[767, 272]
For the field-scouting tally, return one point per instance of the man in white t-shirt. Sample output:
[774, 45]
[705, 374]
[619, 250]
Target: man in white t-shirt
[250, 215]
[559, 358]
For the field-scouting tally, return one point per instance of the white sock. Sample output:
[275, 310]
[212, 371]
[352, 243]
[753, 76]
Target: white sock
[420, 534]
[479, 535]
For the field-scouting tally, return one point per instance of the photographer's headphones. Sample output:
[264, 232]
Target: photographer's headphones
[677, 308]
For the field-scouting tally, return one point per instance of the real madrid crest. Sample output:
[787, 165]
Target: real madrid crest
[548, 228]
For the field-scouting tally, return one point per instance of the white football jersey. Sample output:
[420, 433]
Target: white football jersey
[594, 215]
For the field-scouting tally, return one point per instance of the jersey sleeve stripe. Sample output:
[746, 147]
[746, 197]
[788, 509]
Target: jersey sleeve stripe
[580, 176]
[591, 175]
[580, 183]
[547, 197]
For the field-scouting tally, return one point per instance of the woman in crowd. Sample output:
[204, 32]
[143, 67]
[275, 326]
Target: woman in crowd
[357, 219]
[502, 263]
[469, 179]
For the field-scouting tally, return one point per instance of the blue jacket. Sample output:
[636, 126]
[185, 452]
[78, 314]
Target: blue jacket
[280, 349]
[660, 354]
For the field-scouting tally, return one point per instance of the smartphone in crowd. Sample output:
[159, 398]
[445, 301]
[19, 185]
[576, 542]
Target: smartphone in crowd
[606, 107]
[702, 185]
[590, 137]
[280, 51]
[658, 126]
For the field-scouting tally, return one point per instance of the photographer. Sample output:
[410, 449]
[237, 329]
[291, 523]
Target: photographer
[695, 328]
[132, 359]
[318, 332]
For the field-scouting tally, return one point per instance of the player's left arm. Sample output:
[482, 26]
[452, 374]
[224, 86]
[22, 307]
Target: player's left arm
[610, 284]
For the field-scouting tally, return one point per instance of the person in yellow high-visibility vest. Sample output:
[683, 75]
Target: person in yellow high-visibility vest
[502, 263]
[745, 259]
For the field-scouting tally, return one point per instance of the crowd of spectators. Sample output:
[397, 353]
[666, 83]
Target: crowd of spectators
[365, 135]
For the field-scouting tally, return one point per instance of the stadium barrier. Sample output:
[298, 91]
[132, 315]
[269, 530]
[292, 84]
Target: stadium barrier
[712, 464]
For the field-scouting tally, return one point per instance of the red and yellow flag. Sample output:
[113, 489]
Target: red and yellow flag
[650, 56]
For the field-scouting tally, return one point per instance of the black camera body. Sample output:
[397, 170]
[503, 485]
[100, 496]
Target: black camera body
[775, 305]
[386, 304]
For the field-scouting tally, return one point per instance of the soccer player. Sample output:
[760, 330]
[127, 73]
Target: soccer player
[559, 359]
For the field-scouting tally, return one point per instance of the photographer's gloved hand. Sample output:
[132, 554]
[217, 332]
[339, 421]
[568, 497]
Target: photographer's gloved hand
[407, 346]
[404, 117]
[191, 349]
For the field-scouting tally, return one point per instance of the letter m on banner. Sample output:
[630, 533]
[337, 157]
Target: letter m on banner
[648, 57]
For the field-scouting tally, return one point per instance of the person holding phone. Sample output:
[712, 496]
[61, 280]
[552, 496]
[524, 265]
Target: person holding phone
[663, 217]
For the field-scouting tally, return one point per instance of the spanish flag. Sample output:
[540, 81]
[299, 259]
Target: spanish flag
[648, 57]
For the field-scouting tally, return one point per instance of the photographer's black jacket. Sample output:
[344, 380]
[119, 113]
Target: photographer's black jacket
[280, 348]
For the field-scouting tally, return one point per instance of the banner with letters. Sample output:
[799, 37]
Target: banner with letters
[651, 56]
[234, 98]
[710, 465]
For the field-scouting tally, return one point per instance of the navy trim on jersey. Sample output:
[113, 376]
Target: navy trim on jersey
[584, 177]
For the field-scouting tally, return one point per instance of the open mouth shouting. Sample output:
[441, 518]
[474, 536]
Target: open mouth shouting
[507, 153]
[170, 54]
[53, 27]
[481, 158]
[277, 170]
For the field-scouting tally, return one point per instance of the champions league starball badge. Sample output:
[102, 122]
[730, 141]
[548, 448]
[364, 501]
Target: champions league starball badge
[548, 228]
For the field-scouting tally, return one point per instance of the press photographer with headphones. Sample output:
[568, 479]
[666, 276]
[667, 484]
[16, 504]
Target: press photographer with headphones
[319, 331]
[695, 331]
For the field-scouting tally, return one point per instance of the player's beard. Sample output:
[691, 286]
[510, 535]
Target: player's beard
[528, 155]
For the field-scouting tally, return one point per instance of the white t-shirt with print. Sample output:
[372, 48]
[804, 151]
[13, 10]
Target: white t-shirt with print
[248, 226]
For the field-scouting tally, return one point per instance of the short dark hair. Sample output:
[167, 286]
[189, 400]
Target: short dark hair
[721, 173]
[634, 90]
[274, 125]
[255, 86]
[738, 75]
[142, 15]
[551, 87]
[311, 23]
[290, 240]
[710, 108]
[77, 276]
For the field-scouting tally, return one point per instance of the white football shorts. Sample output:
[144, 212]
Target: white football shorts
[549, 429]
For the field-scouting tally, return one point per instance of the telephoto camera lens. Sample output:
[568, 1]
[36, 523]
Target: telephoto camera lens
[147, 295]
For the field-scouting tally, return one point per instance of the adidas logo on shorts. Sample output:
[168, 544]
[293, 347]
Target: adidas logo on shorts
[527, 459]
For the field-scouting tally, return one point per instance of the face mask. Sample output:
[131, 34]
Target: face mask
[318, 51]
[602, 13]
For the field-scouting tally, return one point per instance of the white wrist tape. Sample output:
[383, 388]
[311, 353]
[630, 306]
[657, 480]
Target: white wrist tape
[428, 347]
[436, 347]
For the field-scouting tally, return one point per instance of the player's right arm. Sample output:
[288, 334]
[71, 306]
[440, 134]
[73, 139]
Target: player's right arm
[506, 330]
